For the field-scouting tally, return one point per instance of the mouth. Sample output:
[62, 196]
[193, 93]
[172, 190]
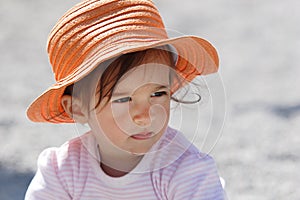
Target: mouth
[142, 136]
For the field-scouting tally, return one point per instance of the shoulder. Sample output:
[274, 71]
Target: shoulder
[192, 174]
[61, 153]
[54, 167]
[195, 176]
[189, 158]
[193, 164]
[175, 148]
[66, 156]
[61, 168]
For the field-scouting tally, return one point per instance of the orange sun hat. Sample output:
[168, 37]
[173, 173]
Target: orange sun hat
[94, 31]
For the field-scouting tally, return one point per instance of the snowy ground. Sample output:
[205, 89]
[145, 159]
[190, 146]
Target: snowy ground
[258, 43]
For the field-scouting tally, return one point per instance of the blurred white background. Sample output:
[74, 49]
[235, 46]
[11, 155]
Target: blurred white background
[259, 47]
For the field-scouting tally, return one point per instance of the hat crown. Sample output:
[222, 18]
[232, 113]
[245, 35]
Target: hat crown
[100, 25]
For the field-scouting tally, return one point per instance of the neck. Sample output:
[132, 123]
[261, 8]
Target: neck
[118, 164]
[111, 171]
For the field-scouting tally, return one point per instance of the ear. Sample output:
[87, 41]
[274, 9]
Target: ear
[73, 107]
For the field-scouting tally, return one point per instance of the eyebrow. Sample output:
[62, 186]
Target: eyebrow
[117, 94]
[162, 87]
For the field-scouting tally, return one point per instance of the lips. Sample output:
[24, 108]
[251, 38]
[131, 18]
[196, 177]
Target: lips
[142, 136]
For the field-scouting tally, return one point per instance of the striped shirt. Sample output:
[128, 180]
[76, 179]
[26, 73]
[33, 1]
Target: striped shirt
[174, 169]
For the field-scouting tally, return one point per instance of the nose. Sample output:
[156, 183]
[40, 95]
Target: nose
[140, 113]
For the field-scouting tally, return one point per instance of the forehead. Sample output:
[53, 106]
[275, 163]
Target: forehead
[149, 73]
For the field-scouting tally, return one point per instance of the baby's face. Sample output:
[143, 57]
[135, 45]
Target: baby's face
[138, 112]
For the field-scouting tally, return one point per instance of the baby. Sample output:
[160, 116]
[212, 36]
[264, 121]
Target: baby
[117, 71]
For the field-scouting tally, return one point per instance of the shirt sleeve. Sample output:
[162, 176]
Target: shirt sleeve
[46, 183]
[196, 178]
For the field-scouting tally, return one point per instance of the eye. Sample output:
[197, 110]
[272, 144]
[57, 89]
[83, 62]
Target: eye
[122, 100]
[159, 94]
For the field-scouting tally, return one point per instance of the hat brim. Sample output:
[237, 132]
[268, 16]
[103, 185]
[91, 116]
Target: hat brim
[196, 56]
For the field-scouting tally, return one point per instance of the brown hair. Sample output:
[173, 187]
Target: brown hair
[111, 71]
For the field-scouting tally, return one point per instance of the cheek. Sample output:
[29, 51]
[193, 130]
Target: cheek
[102, 120]
[121, 118]
[106, 118]
[115, 121]
[104, 125]
[160, 116]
